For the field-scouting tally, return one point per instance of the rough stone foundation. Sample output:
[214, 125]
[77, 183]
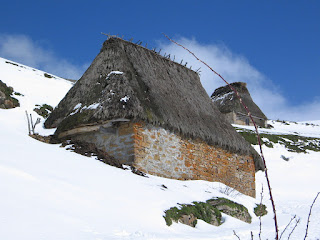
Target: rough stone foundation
[157, 151]
[116, 140]
[162, 153]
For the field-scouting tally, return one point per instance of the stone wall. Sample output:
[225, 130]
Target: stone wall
[162, 153]
[159, 152]
[234, 118]
[116, 140]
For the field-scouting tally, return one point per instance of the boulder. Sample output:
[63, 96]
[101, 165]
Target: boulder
[6, 100]
[231, 208]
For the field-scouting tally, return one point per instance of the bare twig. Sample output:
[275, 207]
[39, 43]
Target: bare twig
[314, 200]
[32, 129]
[255, 126]
[234, 232]
[109, 35]
[34, 126]
[287, 226]
[28, 123]
[297, 222]
[260, 222]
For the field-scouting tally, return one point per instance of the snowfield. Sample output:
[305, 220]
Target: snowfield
[50, 193]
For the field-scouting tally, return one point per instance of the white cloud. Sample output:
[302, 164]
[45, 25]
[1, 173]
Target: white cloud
[235, 68]
[22, 49]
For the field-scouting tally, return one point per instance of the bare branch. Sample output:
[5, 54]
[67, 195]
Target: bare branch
[32, 129]
[234, 232]
[287, 226]
[28, 123]
[310, 215]
[297, 222]
[260, 222]
[109, 35]
[37, 122]
[255, 126]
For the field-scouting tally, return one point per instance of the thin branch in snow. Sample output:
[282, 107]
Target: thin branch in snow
[297, 222]
[310, 215]
[28, 123]
[260, 222]
[287, 226]
[234, 233]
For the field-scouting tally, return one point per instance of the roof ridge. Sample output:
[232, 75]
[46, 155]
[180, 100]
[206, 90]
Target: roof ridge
[153, 50]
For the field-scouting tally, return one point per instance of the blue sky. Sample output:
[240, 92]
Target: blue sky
[274, 46]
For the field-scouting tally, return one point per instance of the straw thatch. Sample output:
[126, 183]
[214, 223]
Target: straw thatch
[127, 81]
[226, 100]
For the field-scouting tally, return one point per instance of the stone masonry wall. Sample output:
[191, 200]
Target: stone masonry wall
[116, 140]
[162, 153]
[159, 152]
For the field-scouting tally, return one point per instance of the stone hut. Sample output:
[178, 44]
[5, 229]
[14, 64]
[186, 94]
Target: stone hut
[152, 113]
[229, 105]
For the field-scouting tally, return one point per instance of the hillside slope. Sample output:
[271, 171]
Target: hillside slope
[48, 192]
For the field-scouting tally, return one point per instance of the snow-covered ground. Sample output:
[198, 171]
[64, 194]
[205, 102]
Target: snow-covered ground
[48, 192]
[307, 129]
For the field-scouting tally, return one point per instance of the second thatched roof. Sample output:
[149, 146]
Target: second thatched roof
[226, 100]
[127, 81]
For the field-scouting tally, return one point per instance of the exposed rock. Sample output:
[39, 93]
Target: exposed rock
[189, 220]
[260, 210]
[231, 208]
[6, 100]
[44, 110]
[189, 213]
[45, 139]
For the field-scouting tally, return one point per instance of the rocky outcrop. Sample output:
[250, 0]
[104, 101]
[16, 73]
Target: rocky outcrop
[209, 211]
[6, 99]
[231, 208]
[189, 214]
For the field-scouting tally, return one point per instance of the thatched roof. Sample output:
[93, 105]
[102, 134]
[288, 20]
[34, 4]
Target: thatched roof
[226, 100]
[127, 81]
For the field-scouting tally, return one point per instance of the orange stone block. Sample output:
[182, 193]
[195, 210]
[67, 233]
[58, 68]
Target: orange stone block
[188, 164]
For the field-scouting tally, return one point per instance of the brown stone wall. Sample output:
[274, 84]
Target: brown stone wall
[162, 153]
